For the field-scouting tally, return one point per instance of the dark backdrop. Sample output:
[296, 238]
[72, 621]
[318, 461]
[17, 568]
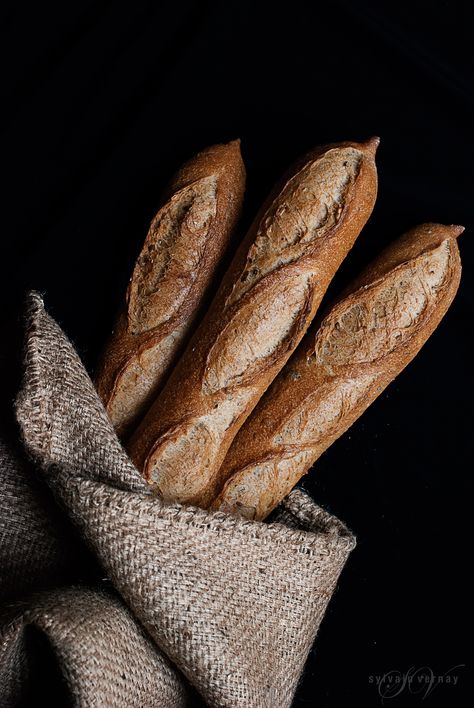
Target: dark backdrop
[103, 100]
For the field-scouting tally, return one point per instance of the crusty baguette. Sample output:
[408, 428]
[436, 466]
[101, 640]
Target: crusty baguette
[265, 303]
[185, 242]
[364, 341]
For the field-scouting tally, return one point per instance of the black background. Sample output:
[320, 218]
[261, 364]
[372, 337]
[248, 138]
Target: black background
[103, 100]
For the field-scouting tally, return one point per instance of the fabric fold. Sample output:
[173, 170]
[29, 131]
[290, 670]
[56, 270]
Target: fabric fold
[79, 646]
[39, 546]
[235, 604]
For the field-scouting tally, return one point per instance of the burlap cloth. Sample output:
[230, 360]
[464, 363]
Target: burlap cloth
[163, 603]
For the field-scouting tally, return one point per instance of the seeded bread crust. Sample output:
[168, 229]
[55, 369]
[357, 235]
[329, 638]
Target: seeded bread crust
[265, 304]
[184, 245]
[362, 344]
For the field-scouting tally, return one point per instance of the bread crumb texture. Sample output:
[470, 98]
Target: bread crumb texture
[170, 259]
[259, 487]
[183, 452]
[308, 206]
[137, 381]
[372, 323]
[257, 333]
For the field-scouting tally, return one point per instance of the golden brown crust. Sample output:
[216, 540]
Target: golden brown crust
[363, 342]
[265, 303]
[185, 242]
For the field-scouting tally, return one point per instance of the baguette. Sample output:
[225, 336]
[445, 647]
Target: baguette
[365, 340]
[185, 242]
[264, 305]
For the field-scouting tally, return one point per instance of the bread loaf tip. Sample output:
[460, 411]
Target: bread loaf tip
[372, 144]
